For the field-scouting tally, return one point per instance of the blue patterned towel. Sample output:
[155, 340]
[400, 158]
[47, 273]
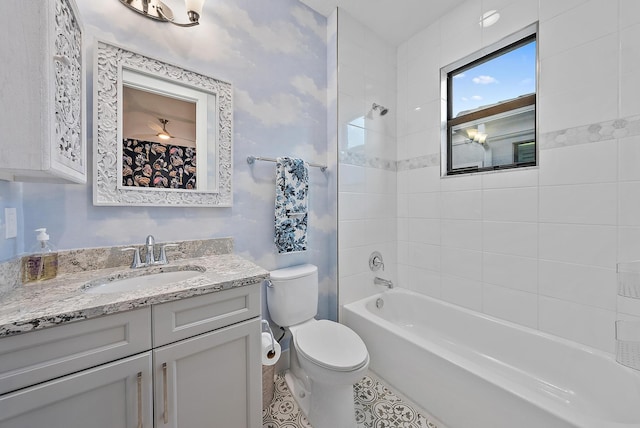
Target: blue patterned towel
[292, 188]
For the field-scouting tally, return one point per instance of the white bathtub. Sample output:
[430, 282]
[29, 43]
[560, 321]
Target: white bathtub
[473, 371]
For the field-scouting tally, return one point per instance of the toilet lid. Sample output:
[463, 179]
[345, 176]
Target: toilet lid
[331, 345]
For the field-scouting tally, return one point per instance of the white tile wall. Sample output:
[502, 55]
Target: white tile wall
[514, 305]
[566, 32]
[462, 291]
[512, 238]
[582, 163]
[585, 324]
[628, 248]
[424, 205]
[567, 96]
[462, 205]
[511, 204]
[579, 243]
[463, 234]
[629, 203]
[536, 246]
[629, 12]
[368, 194]
[584, 284]
[551, 8]
[523, 177]
[459, 262]
[629, 157]
[509, 271]
[580, 203]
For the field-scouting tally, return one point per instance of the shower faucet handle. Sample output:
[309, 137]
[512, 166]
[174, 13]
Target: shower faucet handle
[375, 261]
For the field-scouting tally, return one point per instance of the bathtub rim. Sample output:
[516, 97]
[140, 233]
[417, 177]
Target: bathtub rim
[572, 416]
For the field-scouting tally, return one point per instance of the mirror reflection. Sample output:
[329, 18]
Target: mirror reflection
[158, 141]
[163, 133]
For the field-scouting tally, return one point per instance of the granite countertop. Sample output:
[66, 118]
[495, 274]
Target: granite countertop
[63, 299]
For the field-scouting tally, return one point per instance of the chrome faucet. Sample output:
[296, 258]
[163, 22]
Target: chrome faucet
[380, 281]
[150, 243]
[150, 258]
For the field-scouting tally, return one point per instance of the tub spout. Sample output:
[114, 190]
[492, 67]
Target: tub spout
[381, 281]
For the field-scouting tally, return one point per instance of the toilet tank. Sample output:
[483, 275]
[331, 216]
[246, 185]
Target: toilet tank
[292, 296]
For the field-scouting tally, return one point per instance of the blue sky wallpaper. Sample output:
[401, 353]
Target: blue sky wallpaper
[275, 55]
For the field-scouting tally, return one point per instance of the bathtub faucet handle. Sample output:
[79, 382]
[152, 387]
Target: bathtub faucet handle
[375, 261]
[378, 263]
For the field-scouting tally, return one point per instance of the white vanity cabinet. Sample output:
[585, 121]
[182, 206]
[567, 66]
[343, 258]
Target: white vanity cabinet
[188, 363]
[210, 379]
[114, 395]
[75, 376]
[42, 124]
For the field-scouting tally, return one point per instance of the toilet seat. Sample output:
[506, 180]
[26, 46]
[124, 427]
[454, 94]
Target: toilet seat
[331, 345]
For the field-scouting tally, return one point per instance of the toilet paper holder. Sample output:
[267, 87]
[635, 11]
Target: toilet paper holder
[267, 329]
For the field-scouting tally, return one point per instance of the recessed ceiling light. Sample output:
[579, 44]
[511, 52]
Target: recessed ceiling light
[489, 18]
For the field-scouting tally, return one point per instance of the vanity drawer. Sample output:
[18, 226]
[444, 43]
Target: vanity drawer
[185, 318]
[30, 358]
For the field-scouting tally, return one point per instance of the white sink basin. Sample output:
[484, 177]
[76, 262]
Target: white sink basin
[139, 280]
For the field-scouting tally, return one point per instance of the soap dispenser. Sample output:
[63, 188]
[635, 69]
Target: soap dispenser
[42, 262]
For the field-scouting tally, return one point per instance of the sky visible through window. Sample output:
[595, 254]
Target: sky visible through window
[503, 78]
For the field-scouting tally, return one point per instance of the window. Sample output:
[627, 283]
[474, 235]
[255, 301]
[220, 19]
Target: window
[490, 112]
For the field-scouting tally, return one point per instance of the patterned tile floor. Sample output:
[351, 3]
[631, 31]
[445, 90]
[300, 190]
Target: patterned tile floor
[376, 407]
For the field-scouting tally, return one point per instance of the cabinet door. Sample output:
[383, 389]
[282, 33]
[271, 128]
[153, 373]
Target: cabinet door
[43, 92]
[114, 395]
[212, 380]
[68, 140]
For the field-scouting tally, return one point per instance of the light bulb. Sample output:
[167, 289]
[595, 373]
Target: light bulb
[194, 6]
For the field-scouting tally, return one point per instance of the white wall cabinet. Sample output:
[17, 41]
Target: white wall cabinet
[42, 124]
[202, 369]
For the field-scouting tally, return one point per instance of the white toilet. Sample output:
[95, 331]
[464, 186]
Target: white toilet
[326, 358]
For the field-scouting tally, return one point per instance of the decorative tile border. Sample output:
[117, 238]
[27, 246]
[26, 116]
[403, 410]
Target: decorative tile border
[376, 407]
[603, 131]
[586, 134]
[360, 159]
[425, 161]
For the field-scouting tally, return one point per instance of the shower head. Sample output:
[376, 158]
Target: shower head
[381, 109]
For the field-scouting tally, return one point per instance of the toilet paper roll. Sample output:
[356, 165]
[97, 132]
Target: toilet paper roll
[269, 355]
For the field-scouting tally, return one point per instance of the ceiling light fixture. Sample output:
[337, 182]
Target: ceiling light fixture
[155, 9]
[489, 18]
[164, 135]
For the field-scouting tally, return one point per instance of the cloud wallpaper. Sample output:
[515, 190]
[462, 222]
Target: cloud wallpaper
[275, 55]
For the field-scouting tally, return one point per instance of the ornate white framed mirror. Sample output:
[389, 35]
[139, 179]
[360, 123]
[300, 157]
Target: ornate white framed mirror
[162, 133]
